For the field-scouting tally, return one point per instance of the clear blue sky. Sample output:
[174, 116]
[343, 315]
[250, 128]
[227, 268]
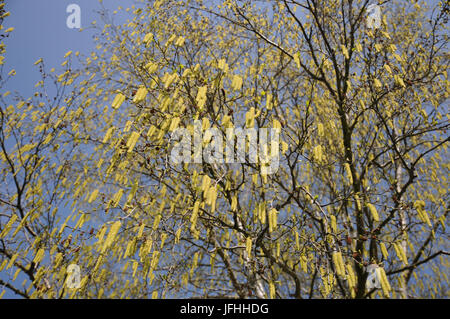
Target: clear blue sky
[41, 32]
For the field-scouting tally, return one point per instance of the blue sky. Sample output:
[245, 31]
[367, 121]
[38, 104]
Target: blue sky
[41, 32]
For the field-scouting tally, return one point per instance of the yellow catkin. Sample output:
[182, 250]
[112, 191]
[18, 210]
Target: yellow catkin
[128, 249]
[93, 196]
[304, 263]
[7, 227]
[420, 214]
[342, 264]
[385, 286]
[236, 84]
[205, 124]
[358, 202]
[297, 241]
[387, 68]
[276, 124]
[320, 130]
[377, 83]
[396, 250]
[177, 236]
[117, 197]
[273, 219]
[336, 263]
[180, 41]
[108, 134]
[333, 223]
[339, 263]
[151, 67]
[426, 218]
[169, 80]
[118, 100]
[148, 37]
[39, 256]
[194, 216]
[272, 290]
[373, 211]
[135, 267]
[223, 65]
[140, 95]
[349, 173]
[234, 203]
[344, 51]
[262, 212]
[196, 207]
[384, 251]
[248, 246]
[211, 197]
[419, 205]
[398, 80]
[174, 124]
[226, 121]
[205, 184]
[351, 276]
[250, 118]
[269, 103]
[318, 154]
[400, 252]
[111, 235]
[132, 141]
[201, 97]
[297, 60]
[140, 230]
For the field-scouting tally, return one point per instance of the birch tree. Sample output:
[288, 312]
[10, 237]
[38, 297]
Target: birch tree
[358, 205]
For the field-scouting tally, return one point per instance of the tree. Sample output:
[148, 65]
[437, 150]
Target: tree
[37, 149]
[361, 181]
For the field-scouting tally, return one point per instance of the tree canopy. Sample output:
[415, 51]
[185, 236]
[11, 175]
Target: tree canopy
[361, 183]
